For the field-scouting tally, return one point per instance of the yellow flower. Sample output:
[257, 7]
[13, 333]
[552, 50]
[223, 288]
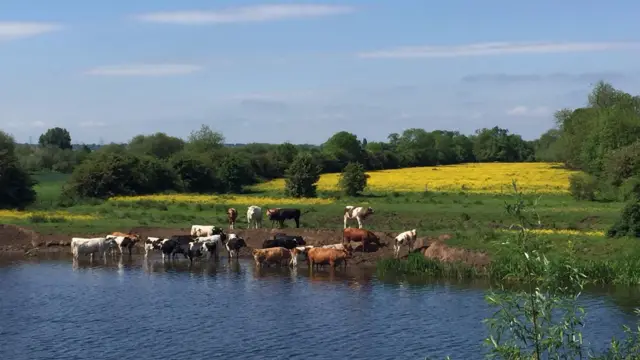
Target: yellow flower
[474, 178]
[13, 214]
[563, 232]
[223, 199]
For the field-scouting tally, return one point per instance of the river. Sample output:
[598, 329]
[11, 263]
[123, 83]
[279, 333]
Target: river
[133, 309]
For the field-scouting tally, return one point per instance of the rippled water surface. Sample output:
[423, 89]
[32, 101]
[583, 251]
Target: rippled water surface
[133, 309]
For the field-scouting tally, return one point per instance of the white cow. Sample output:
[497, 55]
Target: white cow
[90, 246]
[299, 253]
[254, 216]
[204, 230]
[359, 213]
[407, 239]
[122, 242]
[211, 244]
[152, 243]
[335, 246]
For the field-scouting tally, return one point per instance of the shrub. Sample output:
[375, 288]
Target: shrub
[106, 174]
[629, 222]
[194, 175]
[301, 177]
[630, 189]
[583, 186]
[353, 179]
[16, 185]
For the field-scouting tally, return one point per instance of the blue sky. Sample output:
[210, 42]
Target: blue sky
[301, 71]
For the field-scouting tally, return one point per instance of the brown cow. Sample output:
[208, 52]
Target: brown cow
[360, 235]
[232, 214]
[278, 255]
[319, 256]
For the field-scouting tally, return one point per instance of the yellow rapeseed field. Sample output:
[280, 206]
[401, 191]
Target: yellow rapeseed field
[222, 199]
[13, 214]
[476, 178]
[563, 232]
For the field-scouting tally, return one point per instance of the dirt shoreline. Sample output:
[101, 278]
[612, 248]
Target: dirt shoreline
[15, 240]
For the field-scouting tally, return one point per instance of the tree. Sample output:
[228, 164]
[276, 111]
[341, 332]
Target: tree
[16, 185]
[301, 177]
[353, 179]
[233, 173]
[56, 137]
[205, 140]
[159, 145]
[106, 174]
[194, 173]
[343, 147]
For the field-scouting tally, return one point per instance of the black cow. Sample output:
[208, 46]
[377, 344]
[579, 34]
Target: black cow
[280, 215]
[297, 238]
[234, 245]
[182, 244]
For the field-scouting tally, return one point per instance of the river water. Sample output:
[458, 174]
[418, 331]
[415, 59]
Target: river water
[137, 309]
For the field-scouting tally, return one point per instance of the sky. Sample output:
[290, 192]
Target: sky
[299, 71]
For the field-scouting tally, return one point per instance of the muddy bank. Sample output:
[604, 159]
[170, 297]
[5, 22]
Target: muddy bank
[15, 239]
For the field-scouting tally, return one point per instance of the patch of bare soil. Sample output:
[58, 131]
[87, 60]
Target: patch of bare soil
[15, 238]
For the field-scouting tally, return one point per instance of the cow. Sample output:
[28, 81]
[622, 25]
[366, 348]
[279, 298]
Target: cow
[234, 245]
[167, 247]
[277, 255]
[195, 250]
[359, 213]
[297, 252]
[360, 235]
[90, 246]
[284, 236]
[124, 241]
[337, 246]
[319, 256]
[205, 230]
[282, 214]
[406, 238]
[288, 242]
[150, 244]
[254, 217]
[232, 215]
[211, 244]
[182, 245]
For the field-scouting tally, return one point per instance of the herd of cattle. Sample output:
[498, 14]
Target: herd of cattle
[208, 240]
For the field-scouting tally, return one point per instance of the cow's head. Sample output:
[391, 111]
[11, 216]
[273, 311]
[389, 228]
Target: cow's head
[414, 233]
[369, 210]
[348, 250]
[231, 212]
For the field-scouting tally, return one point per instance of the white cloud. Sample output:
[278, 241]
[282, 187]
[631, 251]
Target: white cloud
[258, 13]
[496, 48]
[527, 111]
[144, 70]
[12, 30]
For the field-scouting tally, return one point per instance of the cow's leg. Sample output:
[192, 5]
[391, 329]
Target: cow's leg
[297, 222]
[345, 221]
[359, 222]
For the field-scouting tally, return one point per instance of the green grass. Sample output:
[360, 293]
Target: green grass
[474, 220]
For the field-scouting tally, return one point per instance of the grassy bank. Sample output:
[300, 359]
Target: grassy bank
[472, 211]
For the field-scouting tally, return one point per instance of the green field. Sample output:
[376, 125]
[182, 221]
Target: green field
[477, 221]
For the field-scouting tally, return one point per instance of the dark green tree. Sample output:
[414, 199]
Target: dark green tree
[301, 177]
[56, 137]
[353, 179]
[16, 185]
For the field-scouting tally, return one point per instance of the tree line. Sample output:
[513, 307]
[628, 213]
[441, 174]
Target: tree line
[600, 138]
